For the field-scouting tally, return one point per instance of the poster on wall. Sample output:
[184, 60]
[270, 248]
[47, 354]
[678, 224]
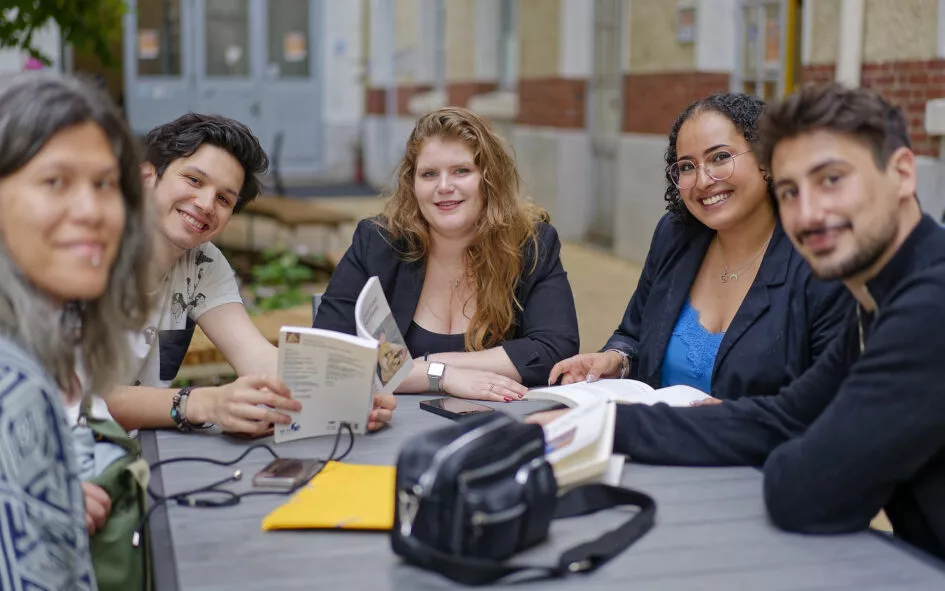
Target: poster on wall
[772, 41]
[294, 47]
[149, 44]
[686, 23]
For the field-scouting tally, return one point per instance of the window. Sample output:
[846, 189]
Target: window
[227, 38]
[158, 43]
[508, 45]
[439, 46]
[288, 39]
[767, 63]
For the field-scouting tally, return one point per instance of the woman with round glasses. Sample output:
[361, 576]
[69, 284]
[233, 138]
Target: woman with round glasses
[724, 303]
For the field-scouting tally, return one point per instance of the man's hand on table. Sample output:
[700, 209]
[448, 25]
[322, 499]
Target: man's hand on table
[250, 405]
[384, 405]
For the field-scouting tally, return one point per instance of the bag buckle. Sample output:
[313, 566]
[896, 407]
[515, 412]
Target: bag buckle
[409, 503]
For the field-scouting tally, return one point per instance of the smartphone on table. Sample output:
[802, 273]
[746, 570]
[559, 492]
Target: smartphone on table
[454, 408]
[287, 473]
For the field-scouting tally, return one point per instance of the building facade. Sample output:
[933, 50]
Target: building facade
[586, 90]
[290, 69]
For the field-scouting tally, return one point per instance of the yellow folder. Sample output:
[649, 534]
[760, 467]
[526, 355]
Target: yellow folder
[341, 496]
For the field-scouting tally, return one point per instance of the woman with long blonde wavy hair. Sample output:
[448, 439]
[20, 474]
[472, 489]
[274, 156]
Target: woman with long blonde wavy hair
[471, 269]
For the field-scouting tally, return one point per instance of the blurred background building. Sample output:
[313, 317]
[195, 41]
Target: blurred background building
[584, 90]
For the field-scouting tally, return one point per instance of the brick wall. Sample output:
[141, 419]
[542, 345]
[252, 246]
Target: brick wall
[375, 101]
[818, 74]
[552, 102]
[652, 101]
[376, 98]
[459, 93]
[909, 84]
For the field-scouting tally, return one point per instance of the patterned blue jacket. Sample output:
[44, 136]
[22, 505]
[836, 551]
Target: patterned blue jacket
[43, 538]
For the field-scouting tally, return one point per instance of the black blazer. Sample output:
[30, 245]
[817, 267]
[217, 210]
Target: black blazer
[784, 323]
[546, 329]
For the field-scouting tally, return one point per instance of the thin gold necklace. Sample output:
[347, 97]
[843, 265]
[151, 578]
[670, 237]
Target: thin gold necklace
[453, 289]
[733, 275]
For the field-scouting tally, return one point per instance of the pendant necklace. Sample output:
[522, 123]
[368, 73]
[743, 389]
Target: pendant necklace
[733, 275]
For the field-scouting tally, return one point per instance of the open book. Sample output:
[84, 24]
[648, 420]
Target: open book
[579, 443]
[336, 375]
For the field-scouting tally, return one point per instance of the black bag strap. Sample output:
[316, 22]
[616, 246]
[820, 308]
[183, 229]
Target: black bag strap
[585, 557]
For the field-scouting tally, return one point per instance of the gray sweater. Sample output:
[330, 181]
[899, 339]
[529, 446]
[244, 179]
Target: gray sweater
[42, 513]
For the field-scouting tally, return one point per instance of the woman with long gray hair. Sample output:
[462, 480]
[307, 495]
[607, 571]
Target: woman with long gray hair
[73, 282]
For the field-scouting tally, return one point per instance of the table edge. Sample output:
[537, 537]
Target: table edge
[163, 560]
[907, 548]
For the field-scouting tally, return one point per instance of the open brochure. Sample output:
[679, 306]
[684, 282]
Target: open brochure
[579, 443]
[336, 375]
[375, 321]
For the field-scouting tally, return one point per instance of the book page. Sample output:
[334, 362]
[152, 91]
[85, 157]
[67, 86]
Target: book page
[680, 395]
[575, 430]
[332, 375]
[580, 443]
[375, 321]
[623, 391]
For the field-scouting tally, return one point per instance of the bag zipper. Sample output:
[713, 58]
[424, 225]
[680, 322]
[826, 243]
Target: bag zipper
[410, 501]
[480, 518]
[483, 471]
[428, 478]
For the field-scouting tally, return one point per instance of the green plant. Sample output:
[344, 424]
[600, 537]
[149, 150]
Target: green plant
[277, 280]
[87, 25]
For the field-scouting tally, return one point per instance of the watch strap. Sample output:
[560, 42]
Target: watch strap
[624, 362]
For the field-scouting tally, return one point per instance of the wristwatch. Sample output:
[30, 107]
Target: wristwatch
[435, 372]
[624, 362]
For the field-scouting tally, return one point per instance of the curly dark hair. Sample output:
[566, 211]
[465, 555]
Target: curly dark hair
[743, 110]
[183, 136]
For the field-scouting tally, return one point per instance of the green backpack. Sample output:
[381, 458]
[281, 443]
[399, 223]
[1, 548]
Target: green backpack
[120, 562]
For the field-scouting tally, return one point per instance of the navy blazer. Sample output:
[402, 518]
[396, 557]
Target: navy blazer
[784, 323]
[545, 331]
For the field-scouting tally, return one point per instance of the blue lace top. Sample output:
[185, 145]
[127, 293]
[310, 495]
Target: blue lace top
[690, 354]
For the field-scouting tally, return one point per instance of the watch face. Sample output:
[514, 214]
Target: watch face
[436, 370]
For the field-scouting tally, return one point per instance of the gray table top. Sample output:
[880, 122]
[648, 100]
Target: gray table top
[711, 531]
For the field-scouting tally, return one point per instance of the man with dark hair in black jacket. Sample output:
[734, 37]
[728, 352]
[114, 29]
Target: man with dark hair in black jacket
[864, 428]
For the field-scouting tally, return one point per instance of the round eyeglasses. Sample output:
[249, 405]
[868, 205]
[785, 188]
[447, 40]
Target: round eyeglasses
[719, 166]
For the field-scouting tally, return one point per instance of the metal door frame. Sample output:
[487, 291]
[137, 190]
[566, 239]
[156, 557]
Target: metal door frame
[604, 203]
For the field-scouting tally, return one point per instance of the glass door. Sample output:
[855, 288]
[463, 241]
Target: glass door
[226, 68]
[291, 112]
[158, 75]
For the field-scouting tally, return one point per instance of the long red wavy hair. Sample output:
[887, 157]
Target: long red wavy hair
[495, 258]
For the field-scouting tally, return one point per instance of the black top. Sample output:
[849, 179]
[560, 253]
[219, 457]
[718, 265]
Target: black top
[545, 328]
[857, 433]
[424, 341]
[784, 323]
